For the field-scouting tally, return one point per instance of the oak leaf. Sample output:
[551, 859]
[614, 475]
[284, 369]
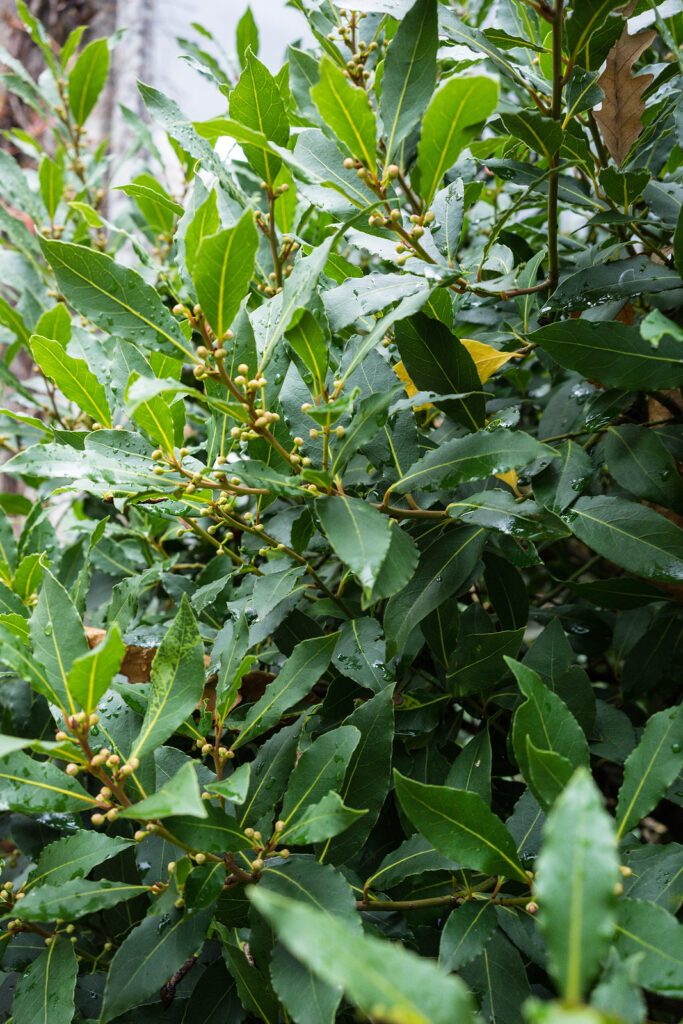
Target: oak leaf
[621, 113]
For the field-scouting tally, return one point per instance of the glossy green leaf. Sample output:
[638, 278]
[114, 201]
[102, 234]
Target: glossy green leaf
[586, 20]
[577, 918]
[58, 636]
[651, 768]
[177, 682]
[218, 832]
[467, 930]
[255, 102]
[345, 108]
[460, 825]
[320, 821]
[74, 856]
[546, 720]
[564, 478]
[472, 458]
[549, 773]
[359, 534]
[445, 566]
[380, 978]
[149, 956]
[87, 78]
[90, 675]
[223, 270]
[180, 795]
[45, 992]
[320, 768]
[74, 898]
[117, 298]
[612, 354]
[471, 769]
[361, 653]
[367, 778]
[641, 463]
[657, 936]
[51, 177]
[457, 106]
[235, 787]
[247, 37]
[535, 131]
[409, 73]
[630, 535]
[299, 674]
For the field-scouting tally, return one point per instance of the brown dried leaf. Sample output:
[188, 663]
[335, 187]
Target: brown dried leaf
[620, 117]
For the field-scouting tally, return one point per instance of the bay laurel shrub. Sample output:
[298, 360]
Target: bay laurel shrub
[341, 638]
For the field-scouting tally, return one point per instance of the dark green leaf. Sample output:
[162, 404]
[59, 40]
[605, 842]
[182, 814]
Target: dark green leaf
[612, 354]
[74, 899]
[91, 674]
[651, 768]
[657, 936]
[149, 956]
[409, 73]
[45, 992]
[630, 535]
[359, 534]
[74, 856]
[549, 773]
[180, 795]
[461, 826]
[641, 463]
[177, 682]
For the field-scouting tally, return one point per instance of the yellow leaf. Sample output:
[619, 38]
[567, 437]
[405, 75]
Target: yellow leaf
[486, 358]
[510, 478]
[404, 376]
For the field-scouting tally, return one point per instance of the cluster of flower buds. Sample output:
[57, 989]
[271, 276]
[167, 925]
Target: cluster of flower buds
[78, 724]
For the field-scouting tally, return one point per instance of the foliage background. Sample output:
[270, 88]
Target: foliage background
[358, 454]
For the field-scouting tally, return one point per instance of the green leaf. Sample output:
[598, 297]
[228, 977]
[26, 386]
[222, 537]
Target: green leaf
[320, 768]
[585, 23]
[204, 885]
[564, 478]
[70, 900]
[38, 786]
[309, 344]
[437, 361]
[359, 534]
[270, 771]
[458, 105]
[307, 998]
[11, 603]
[630, 535]
[460, 825]
[637, 275]
[90, 675]
[467, 931]
[346, 110]
[547, 720]
[477, 662]
[651, 768]
[254, 991]
[367, 778]
[624, 187]
[149, 956]
[612, 353]
[153, 414]
[255, 102]
[322, 820]
[646, 929]
[498, 510]
[549, 773]
[576, 873]
[473, 457]
[246, 37]
[641, 463]
[299, 674]
[409, 73]
[361, 654]
[382, 979]
[180, 795]
[73, 378]
[471, 769]
[45, 992]
[415, 856]
[445, 566]
[235, 787]
[51, 177]
[58, 636]
[114, 297]
[535, 131]
[8, 544]
[177, 682]
[218, 832]
[87, 78]
[74, 856]
[229, 649]
[223, 271]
